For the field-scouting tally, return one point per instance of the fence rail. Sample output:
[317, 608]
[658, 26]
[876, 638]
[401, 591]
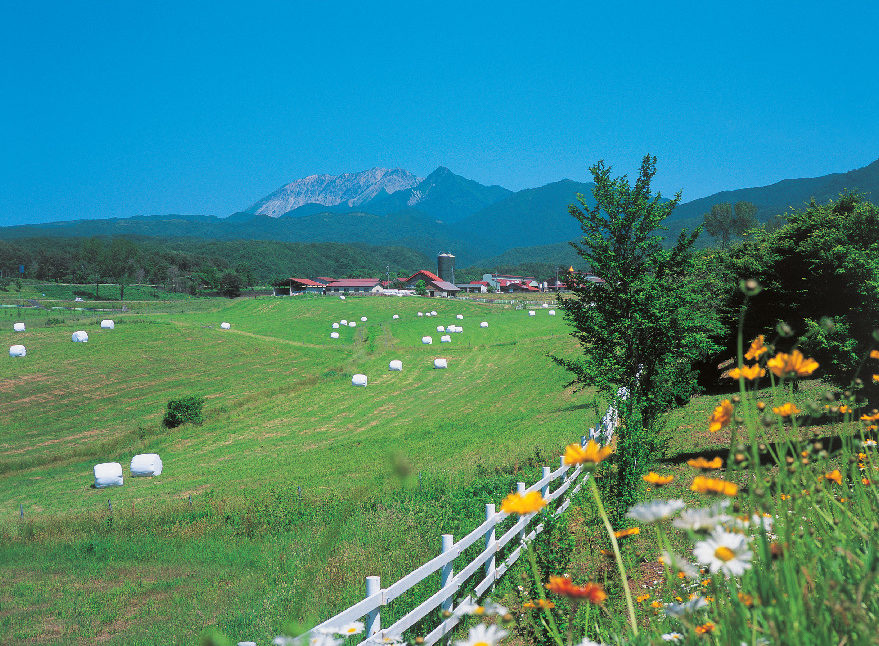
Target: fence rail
[369, 609]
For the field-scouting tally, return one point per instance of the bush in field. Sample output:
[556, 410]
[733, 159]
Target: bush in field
[182, 411]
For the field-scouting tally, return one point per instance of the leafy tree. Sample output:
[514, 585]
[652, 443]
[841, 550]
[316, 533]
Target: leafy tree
[421, 288]
[823, 262]
[642, 329]
[230, 284]
[725, 220]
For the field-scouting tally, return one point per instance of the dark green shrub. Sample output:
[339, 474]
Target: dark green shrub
[181, 411]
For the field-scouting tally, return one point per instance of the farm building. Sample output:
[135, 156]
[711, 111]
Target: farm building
[346, 285]
[475, 287]
[298, 285]
[434, 285]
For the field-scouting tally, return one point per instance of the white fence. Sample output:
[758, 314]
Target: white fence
[568, 481]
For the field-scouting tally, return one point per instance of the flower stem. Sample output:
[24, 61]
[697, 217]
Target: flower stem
[616, 553]
[550, 621]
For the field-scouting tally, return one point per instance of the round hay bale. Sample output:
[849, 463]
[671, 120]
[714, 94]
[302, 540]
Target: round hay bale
[334, 335]
[440, 328]
[108, 474]
[358, 380]
[460, 317]
[545, 305]
[531, 312]
[395, 316]
[396, 364]
[341, 298]
[18, 327]
[420, 313]
[483, 324]
[445, 339]
[80, 336]
[352, 324]
[433, 313]
[426, 340]
[344, 321]
[146, 465]
[335, 326]
[551, 312]
[107, 324]
[17, 351]
[363, 318]
[440, 363]
[225, 326]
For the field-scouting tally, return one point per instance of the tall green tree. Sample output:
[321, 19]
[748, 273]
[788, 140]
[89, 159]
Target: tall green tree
[644, 326]
[726, 220]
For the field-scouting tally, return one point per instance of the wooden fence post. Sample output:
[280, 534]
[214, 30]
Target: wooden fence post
[544, 491]
[373, 619]
[448, 570]
[489, 542]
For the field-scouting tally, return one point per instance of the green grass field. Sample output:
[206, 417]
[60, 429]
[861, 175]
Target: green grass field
[280, 413]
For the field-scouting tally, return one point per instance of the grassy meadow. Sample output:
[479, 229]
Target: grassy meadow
[383, 469]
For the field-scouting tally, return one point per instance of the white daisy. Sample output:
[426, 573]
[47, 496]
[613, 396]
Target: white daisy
[483, 635]
[702, 518]
[470, 607]
[725, 552]
[589, 642]
[353, 628]
[281, 640]
[869, 444]
[673, 637]
[323, 639]
[680, 564]
[686, 608]
[648, 512]
[756, 520]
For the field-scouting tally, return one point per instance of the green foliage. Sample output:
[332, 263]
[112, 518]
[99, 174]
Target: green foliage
[642, 329]
[230, 284]
[182, 411]
[421, 288]
[824, 262]
[725, 220]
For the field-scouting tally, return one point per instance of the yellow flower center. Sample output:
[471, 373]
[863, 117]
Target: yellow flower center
[480, 644]
[479, 610]
[724, 553]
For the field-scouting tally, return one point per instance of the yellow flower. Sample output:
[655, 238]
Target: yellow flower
[702, 463]
[642, 597]
[748, 372]
[631, 531]
[757, 348]
[874, 354]
[701, 484]
[845, 409]
[834, 475]
[591, 453]
[656, 604]
[876, 378]
[707, 627]
[746, 599]
[538, 603]
[516, 503]
[721, 416]
[793, 364]
[656, 479]
[786, 410]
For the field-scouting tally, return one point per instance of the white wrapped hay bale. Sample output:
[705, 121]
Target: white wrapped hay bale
[146, 465]
[433, 313]
[341, 298]
[225, 326]
[445, 338]
[426, 340]
[107, 324]
[420, 313]
[17, 351]
[483, 324]
[358, 380]
[395, 316]
[344, 322]
[80, 336]
[440, 328]
[352, 324]
[363, 318]
[396, 364]
[531, 313]
[440, 363]
[460, 317]
[18, 327]
[108, 474]
[334, 335]
[551, 312]
[545, 305]
[335, 326]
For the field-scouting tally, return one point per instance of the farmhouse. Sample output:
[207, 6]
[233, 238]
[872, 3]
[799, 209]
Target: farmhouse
[434, 285]
[298, 285]
[346, 285]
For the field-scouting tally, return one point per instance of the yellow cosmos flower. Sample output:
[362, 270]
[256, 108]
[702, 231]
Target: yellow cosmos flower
[591, 453]
[707, 627]
[748, 372]
[702, 463]
[876, 378]
[701, 484]
[656, 479]
[631, 531]
[834, 475]
[786, 410]
[757, 349]
[516, 503]
[721, 416]
[642, 597]
[874, 354]
[793, 364]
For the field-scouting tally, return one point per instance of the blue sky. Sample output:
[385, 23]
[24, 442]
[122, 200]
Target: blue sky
[114, 109]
